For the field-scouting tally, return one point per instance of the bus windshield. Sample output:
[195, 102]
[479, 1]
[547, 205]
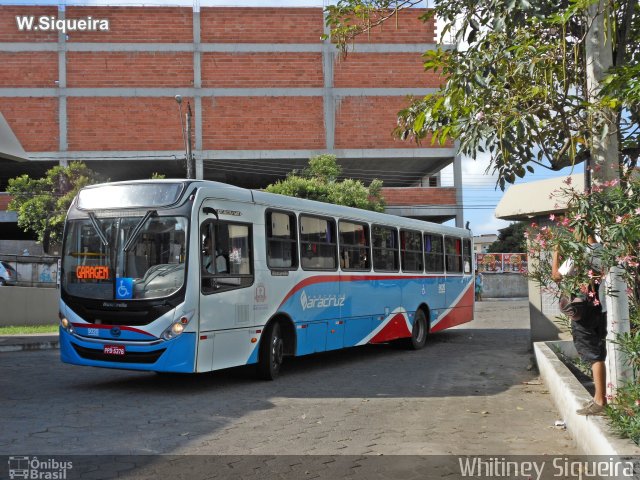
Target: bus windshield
[124, 258]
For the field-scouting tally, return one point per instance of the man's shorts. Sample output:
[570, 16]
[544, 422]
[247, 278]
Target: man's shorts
[589, 337]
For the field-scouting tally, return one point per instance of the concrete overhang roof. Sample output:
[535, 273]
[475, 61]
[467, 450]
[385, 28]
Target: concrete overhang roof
[532, 199]
[10, 147]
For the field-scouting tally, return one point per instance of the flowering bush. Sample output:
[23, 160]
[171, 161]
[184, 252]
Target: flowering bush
[610, 213]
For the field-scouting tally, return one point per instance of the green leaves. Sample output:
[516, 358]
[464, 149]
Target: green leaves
[319, 181]
[42, 204]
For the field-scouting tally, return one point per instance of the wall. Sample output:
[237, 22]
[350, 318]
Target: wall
[504, 285]
[28, 306]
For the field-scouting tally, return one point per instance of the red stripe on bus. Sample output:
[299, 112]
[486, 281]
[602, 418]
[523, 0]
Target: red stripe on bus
[121, 327]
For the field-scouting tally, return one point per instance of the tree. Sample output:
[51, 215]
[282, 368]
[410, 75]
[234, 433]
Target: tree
[510, 239]
[518, 89]
[42, 203]
[319, 181]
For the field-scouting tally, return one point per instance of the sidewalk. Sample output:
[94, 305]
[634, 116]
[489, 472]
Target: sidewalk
[35, 341]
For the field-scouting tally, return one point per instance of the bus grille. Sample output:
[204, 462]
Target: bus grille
[128, 357]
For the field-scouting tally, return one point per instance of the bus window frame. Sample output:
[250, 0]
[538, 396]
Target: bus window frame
[335, 232]
[397, 249]
[297, 258]
[205, 275]
[368, 245]
[402, 250]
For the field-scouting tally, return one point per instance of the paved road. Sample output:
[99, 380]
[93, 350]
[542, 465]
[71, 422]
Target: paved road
[468, 392]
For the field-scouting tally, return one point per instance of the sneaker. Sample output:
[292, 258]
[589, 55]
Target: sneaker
[591, 408]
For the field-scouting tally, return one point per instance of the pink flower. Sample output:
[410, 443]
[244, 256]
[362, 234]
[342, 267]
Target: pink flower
[565, 221]
[596, 302]
[590, 274]
[552, 217]
[632, 264]
[567, 181]
[638, 211]
[578, 217]
[637, 402]
[618, 219]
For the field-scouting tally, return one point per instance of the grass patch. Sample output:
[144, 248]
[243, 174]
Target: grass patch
[27, 329]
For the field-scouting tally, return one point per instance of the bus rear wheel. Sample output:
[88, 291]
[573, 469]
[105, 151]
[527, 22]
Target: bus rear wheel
[271, 353]
[419, 332]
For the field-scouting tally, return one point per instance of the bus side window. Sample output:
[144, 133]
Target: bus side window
[318, 246]
[411, 251]
[467, 256]
[385, 249]
[282, 244]
[227, 257]
[453, 248]
[354, 246]
[434, 253]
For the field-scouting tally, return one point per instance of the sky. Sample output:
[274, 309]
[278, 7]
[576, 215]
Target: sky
[481, 195]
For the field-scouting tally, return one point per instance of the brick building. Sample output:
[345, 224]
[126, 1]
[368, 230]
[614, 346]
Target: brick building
[266, 93]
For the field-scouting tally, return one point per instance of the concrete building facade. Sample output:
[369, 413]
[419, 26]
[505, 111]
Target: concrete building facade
[266, 93]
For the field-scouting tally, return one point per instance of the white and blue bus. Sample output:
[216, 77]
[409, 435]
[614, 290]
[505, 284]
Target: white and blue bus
[195, 276]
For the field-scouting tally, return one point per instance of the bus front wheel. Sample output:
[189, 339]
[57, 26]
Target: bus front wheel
[271, 353]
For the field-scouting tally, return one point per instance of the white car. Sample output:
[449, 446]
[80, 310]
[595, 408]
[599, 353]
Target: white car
[8, 274]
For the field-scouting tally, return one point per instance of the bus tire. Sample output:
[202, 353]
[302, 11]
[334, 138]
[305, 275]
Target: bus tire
[271, 353]
[419, 332]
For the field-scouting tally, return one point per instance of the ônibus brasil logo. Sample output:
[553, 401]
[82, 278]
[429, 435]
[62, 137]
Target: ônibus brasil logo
[321, 301]
[34, 468]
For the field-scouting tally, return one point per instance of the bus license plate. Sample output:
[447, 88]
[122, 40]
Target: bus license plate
[113, 350]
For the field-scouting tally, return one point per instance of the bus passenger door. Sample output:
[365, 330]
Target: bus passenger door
[225, 273]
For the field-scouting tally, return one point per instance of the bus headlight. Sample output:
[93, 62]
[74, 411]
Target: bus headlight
[66, 324]
[177, 327]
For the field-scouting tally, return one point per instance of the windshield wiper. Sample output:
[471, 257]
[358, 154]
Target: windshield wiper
[136, 231]
[98, 229]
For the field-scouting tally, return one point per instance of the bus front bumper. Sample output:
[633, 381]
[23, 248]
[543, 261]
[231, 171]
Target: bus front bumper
[176, 355]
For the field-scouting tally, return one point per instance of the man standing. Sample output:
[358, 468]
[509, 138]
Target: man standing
[589, 328]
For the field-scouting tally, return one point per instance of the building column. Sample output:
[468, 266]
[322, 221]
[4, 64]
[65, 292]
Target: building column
[197, 85]
[62, 85]
[457, 182]
[328, 99]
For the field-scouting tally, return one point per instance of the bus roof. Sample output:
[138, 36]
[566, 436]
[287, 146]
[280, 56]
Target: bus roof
[231, 192]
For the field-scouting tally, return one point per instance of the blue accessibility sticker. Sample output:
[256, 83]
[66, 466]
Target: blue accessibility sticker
[124, 288]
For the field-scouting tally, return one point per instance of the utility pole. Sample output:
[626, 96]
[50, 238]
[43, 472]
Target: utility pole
[191, 170]
[605, 168]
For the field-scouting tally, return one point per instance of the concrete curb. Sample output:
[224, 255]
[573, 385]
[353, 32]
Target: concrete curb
[591, 434]
[20, 343]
